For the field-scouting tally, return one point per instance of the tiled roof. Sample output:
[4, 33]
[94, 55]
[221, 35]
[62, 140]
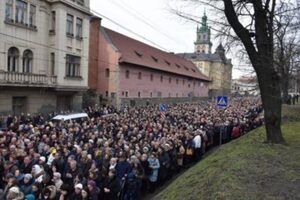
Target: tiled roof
[138, 53]
[202, 57]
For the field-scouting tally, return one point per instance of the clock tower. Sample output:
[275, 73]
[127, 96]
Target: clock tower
[203, 44]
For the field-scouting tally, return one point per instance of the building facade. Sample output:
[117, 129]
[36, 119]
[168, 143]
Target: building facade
[129, 72]
[214, 65]
[245, 85]
[44, 48]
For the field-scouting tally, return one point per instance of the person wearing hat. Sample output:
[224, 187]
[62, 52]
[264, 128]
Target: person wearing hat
[94, 190]
[26, 185]
[14, 193]
[77, 192]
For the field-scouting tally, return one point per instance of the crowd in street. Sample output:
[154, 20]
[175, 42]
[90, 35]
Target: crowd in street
[115, 154]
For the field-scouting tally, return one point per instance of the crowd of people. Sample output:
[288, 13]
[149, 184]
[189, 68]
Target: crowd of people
[115, 154]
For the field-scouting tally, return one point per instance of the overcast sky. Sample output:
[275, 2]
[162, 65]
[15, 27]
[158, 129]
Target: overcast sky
[154, 21]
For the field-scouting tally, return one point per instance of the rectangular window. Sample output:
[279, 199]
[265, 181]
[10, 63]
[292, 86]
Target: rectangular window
[19, 105]
[151, 77]
[170, 80]
[70, 20]
[127, 73]
[53, 21]
[161, 78]
[126, 94]
[32, 14]
[140, 75]
[80, 2]
[52, 58]
[21, 12]
[79, 28]
[72, 66]
[9, 10]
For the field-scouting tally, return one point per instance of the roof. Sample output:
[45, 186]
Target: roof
[138, 53]
[203, 57]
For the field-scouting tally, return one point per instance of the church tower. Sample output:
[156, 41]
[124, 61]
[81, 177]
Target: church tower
[203, 44]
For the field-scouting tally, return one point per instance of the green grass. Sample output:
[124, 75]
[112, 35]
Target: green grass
[246, 168]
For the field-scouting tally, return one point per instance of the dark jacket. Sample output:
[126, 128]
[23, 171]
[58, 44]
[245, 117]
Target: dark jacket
[113, 185]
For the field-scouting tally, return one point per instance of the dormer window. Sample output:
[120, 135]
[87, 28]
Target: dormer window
[167, 62]
[177, 65]
[138, 53]
[154, 58]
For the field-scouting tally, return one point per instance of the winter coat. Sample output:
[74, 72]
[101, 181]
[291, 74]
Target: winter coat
[113, 185]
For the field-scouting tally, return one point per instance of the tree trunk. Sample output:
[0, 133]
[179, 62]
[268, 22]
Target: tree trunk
[269, 84]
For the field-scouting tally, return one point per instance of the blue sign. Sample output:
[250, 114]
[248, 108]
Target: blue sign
[222, 101]
[162, 107]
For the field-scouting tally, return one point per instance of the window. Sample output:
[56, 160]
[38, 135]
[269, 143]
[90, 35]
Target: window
[106, 93]
[161, 78]
[79, 28]
[169, 94]
[27, 61]
[154, 58]
[9, 10]
[170, 80]
[126, 93]
[177, 81]
[139, 94]
[150, 94]
[183, 82]
[140, 75]
[70, 19]
[21, 12]
[80, 2]
[72, 66]
[151, 77]
[13, 59]
[127, 73]
[52, 58]
[32, 14]
[19, 105]
[107, 73]
[53, 21]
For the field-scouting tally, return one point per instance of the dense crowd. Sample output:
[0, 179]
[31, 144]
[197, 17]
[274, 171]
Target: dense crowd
[113, 156]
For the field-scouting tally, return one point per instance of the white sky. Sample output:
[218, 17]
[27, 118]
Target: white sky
[154, 21]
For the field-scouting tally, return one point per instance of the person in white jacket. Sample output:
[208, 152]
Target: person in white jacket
[197, 145]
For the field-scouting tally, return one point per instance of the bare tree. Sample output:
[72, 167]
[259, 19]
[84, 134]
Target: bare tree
[251, 24]
[287, 50]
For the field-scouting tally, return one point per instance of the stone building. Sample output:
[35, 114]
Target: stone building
[129, 72]
[214, 65]
[44, 48]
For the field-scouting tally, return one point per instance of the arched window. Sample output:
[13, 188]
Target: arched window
[27, 61]
[13, 59]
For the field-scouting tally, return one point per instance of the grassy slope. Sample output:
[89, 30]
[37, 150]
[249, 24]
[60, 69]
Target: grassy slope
[246, 169]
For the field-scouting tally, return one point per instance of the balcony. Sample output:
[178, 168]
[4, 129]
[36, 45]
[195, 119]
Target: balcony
[26, 79]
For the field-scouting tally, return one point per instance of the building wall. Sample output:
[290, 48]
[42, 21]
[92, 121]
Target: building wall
[157, 88]
[108, 63]
[94, 52]
[42, 43]
[220, 74]
[38, 100]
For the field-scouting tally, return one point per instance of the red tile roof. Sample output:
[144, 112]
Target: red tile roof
[138, 53]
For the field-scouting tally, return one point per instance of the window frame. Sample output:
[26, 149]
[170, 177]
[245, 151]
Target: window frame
[79, 28]
[70, 25]
[73, 66]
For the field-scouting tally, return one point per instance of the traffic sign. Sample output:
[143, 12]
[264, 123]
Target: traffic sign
[222, 101]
